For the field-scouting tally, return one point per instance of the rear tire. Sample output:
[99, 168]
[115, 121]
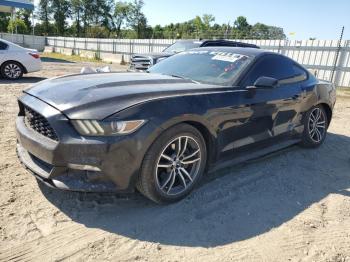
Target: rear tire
[173, 165]
[315, 127]
[11, 70]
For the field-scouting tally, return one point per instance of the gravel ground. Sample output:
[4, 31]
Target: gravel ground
[293, 205]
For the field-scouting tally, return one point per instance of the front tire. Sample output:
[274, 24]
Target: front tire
[315, 127]
[11, 70]
[173, 165]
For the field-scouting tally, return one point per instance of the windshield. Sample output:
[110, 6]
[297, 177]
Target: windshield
[210, 67]
[181, 46]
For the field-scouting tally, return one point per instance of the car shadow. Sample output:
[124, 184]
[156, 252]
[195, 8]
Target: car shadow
[55, 60]
[234, 204]
[23, 80]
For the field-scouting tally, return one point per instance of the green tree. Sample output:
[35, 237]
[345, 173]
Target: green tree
[199, 26]
[4, 21]
[122, 12]
[276, 33]
[25, 15]
[103, 18]
[18, 26]
[158, 32]
[208, 20]
[44, 14]
[97, 13]
[241, 23]
[60, 10]
[103, 14]
[87, 14]
[260, 31]
[76, 12]
[137, 19]
[241, 27]
[97, 32]
[42, 29]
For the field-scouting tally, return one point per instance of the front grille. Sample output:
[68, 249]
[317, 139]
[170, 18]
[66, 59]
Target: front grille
[38, 123]
[141, 63]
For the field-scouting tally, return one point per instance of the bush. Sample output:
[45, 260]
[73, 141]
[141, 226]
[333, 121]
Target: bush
[19, 24]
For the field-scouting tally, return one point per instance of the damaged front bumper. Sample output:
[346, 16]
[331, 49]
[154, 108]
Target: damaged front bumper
[77, 163]
[63, 177]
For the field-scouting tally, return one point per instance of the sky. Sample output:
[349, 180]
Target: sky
[322, 19]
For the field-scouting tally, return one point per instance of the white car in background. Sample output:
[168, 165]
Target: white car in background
[16, 60]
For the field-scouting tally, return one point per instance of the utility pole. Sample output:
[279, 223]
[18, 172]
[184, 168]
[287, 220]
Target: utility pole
[227, 28]
[12, 15]
[337, 54]
[33, 23]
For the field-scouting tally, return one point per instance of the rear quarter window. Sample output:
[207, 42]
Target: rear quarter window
[285, 70]
[3, 46]
[300, 73]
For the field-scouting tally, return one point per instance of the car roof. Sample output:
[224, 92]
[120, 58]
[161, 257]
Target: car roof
[254, 52]
[226, 42]
[219, 41]
[189, 41]
[10, 43]
[5, 41]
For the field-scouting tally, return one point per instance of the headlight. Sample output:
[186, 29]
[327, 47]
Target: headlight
[106, 128]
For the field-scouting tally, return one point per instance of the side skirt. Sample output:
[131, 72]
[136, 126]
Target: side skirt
[253, 155]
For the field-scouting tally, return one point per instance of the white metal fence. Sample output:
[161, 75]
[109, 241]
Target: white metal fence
[28, 41]
[330, 59]
[326, 58]
[114, 46]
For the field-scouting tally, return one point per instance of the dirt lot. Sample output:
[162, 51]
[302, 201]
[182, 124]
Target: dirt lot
[291, 206]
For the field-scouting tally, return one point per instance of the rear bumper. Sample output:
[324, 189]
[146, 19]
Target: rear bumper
[34, 65]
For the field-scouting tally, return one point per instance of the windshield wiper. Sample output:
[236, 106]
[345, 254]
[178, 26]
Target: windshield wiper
[185, 78]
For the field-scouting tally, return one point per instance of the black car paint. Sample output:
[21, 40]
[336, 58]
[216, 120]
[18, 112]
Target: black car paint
[107, 97]
[234, 120]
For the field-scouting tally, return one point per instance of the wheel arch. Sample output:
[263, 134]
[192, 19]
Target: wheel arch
[328, 110]
[25, 71]
[204, 128]
[208, 138]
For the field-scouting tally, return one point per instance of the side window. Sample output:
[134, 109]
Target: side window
[274, 66]
[3, 46]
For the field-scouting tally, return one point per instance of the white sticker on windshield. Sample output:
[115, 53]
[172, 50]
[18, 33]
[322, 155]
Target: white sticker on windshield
[228, 57]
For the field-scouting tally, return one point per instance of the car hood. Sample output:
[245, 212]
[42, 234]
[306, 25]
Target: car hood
[97, 96]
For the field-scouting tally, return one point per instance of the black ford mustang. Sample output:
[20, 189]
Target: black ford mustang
[160, 131]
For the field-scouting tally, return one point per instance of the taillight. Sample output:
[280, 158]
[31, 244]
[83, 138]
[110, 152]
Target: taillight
[35, 55]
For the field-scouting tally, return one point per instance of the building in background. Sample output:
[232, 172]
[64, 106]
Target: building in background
[9, 6]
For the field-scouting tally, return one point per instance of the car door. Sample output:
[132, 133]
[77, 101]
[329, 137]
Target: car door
[269, 114]
[3, 52]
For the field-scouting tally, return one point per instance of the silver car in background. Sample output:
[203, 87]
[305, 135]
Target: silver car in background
[16, 60]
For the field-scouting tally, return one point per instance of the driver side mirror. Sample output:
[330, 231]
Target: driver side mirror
[264, 82]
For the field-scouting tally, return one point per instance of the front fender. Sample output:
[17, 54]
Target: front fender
[167, 112]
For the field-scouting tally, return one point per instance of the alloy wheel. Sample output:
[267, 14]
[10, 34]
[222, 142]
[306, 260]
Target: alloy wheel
[178, 165]
[12, 71]
[317, 125]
